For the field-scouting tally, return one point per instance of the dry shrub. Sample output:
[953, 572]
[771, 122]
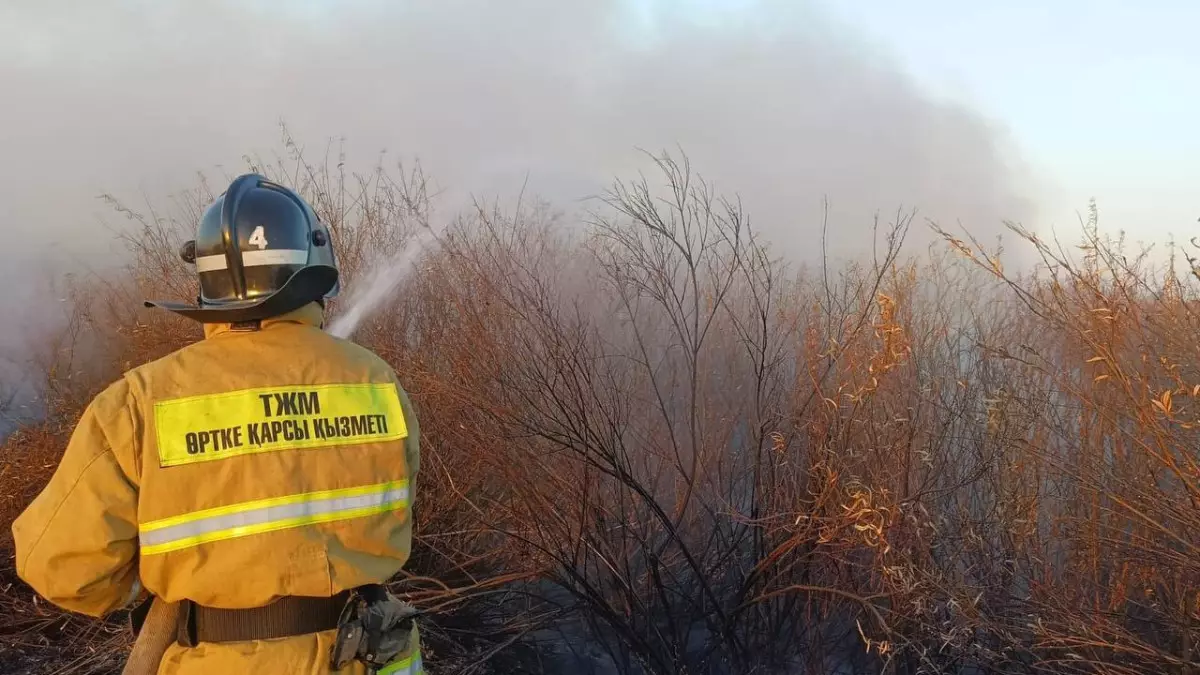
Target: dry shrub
[652, 447]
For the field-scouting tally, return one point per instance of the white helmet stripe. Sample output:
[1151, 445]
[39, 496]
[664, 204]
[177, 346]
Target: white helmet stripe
[277, 256]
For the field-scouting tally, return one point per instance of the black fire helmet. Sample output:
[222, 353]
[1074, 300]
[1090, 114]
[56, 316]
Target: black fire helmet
[260, 251]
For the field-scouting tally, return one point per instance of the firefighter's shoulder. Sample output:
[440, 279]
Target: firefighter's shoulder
[352, 351]
[162, 367]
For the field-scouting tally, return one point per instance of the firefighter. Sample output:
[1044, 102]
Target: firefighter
[262, 478]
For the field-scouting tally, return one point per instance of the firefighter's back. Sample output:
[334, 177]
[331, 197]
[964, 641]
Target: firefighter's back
[261, 478]
[276, 462]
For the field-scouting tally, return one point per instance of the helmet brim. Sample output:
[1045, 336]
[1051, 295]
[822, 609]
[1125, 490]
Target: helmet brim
[307, 285]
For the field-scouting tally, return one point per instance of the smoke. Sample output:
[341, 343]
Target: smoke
[382, 278]
[771, 100]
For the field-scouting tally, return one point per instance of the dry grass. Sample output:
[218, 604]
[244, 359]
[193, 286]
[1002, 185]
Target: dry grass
[654, 439]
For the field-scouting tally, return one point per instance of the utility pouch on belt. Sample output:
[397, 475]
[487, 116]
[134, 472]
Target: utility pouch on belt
[375, 628]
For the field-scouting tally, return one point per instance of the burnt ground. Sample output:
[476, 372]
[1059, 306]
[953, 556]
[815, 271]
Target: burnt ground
[39, 639]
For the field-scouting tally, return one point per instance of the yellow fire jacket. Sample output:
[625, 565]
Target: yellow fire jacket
[245, 467]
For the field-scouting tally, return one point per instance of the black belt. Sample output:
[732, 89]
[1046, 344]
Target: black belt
[286, 617]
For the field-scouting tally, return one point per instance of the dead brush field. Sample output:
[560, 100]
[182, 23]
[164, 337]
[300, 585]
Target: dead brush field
[649, 437]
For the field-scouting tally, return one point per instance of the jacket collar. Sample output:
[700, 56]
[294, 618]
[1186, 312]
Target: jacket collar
[309, 315]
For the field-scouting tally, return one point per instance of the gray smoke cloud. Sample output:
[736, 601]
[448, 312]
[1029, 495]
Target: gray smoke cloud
[772, 100]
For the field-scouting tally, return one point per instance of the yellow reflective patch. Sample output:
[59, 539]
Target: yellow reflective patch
[250, 421]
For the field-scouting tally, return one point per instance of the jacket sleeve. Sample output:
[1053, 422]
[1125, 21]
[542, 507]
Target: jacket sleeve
[76, 543]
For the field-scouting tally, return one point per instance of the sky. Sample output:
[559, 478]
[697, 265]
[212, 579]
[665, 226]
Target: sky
[1101, 95]
[971, 113]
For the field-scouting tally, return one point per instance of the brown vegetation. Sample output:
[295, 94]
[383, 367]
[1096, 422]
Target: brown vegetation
[652, 447]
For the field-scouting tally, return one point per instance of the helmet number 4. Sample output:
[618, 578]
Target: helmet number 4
[258, 238]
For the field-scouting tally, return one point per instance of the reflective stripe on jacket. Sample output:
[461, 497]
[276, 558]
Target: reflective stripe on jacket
[245, 467]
